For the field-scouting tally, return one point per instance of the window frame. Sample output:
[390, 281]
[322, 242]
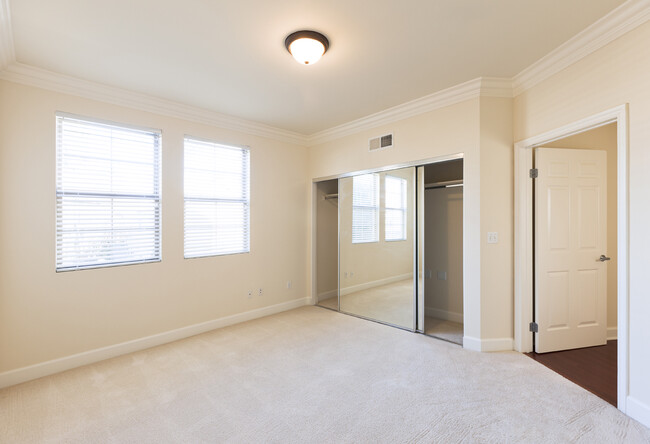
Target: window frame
[403, 209]
[246, 168]
[61, 193]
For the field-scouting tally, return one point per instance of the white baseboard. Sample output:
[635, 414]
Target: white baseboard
[638, 410]
[377, 283]
[326, 295]
[13, 377]
[443, 314]
[488, 345]
[612, 333]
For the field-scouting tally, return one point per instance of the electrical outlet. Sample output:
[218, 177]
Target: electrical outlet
[250, 294]
[492, 237]
[427, 274]
[288, 285]
[260, 292]
[442, 275]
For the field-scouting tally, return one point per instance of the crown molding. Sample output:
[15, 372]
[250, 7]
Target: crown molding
[480, 87]
[620, 21]
[40, 78]
[496, 87]
[7, 54]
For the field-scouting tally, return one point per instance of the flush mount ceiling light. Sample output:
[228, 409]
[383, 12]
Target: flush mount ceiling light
[306, 47]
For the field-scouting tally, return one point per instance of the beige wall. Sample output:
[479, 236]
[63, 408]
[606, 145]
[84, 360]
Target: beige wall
[614, 75]
[603, 138]
[443, 252]
[497, 215]
[46, 315]
[327, 240]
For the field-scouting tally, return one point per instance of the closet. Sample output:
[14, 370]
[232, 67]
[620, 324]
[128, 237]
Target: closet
[389, 246]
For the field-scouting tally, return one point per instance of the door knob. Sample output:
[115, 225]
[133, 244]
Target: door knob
[604, 258]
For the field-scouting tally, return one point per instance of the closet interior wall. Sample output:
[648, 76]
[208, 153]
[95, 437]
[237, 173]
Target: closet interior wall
[443, 244]
[327, 246]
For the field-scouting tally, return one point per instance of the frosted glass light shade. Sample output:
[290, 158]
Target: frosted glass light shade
[307, 51]
[307, 47]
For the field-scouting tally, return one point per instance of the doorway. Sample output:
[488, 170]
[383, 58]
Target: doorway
[575, 297]
[524, 239]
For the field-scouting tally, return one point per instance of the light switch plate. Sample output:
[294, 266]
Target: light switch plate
[493, 237]
[442, 275]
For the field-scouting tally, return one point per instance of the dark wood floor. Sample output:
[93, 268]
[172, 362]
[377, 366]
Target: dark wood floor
[592, 368]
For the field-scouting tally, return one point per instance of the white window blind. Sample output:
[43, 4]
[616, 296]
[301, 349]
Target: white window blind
[107, 194]
[217, 199]
[365, 208]
[395, 216]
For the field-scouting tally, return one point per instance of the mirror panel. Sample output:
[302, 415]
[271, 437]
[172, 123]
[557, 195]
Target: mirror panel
[376, 246]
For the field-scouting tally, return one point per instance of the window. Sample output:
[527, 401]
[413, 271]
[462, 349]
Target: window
[217, 199]
[365, 208]
[395, 216]
[107, 194]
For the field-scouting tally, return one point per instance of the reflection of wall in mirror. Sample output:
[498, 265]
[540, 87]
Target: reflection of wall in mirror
[443, 248]
[365, 265]
[327, 232]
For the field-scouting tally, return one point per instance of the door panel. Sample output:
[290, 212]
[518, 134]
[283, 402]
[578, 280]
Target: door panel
[377, 246]
[558, 285]
[570, 236]
[559, 226]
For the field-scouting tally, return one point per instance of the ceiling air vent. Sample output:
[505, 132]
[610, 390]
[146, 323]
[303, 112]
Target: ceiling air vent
[381, 142]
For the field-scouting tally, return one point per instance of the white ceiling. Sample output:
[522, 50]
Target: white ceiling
[229, 56]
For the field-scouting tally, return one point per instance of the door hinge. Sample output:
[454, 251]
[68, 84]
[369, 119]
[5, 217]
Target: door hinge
[533, 327]
[533, 173]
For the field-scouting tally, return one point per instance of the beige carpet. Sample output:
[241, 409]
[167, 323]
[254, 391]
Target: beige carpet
[391, 303]
[331, 303]
[447, 330]
[311, 375]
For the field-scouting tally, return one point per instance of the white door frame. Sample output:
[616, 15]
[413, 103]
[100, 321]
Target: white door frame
[524, 234]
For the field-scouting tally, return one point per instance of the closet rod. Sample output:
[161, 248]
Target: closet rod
[448, 183]
[331, 196]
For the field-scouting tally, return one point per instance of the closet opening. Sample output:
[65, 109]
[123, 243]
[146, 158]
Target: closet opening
[327, 244]
[389, 246]
[443, 250]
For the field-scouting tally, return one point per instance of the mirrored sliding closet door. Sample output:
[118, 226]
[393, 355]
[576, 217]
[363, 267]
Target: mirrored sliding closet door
[376, 246]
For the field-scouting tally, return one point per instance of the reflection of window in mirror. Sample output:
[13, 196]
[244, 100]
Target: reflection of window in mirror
[395, 216]
[365, 208]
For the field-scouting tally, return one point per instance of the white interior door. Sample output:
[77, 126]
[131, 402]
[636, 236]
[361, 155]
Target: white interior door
[570, 237]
